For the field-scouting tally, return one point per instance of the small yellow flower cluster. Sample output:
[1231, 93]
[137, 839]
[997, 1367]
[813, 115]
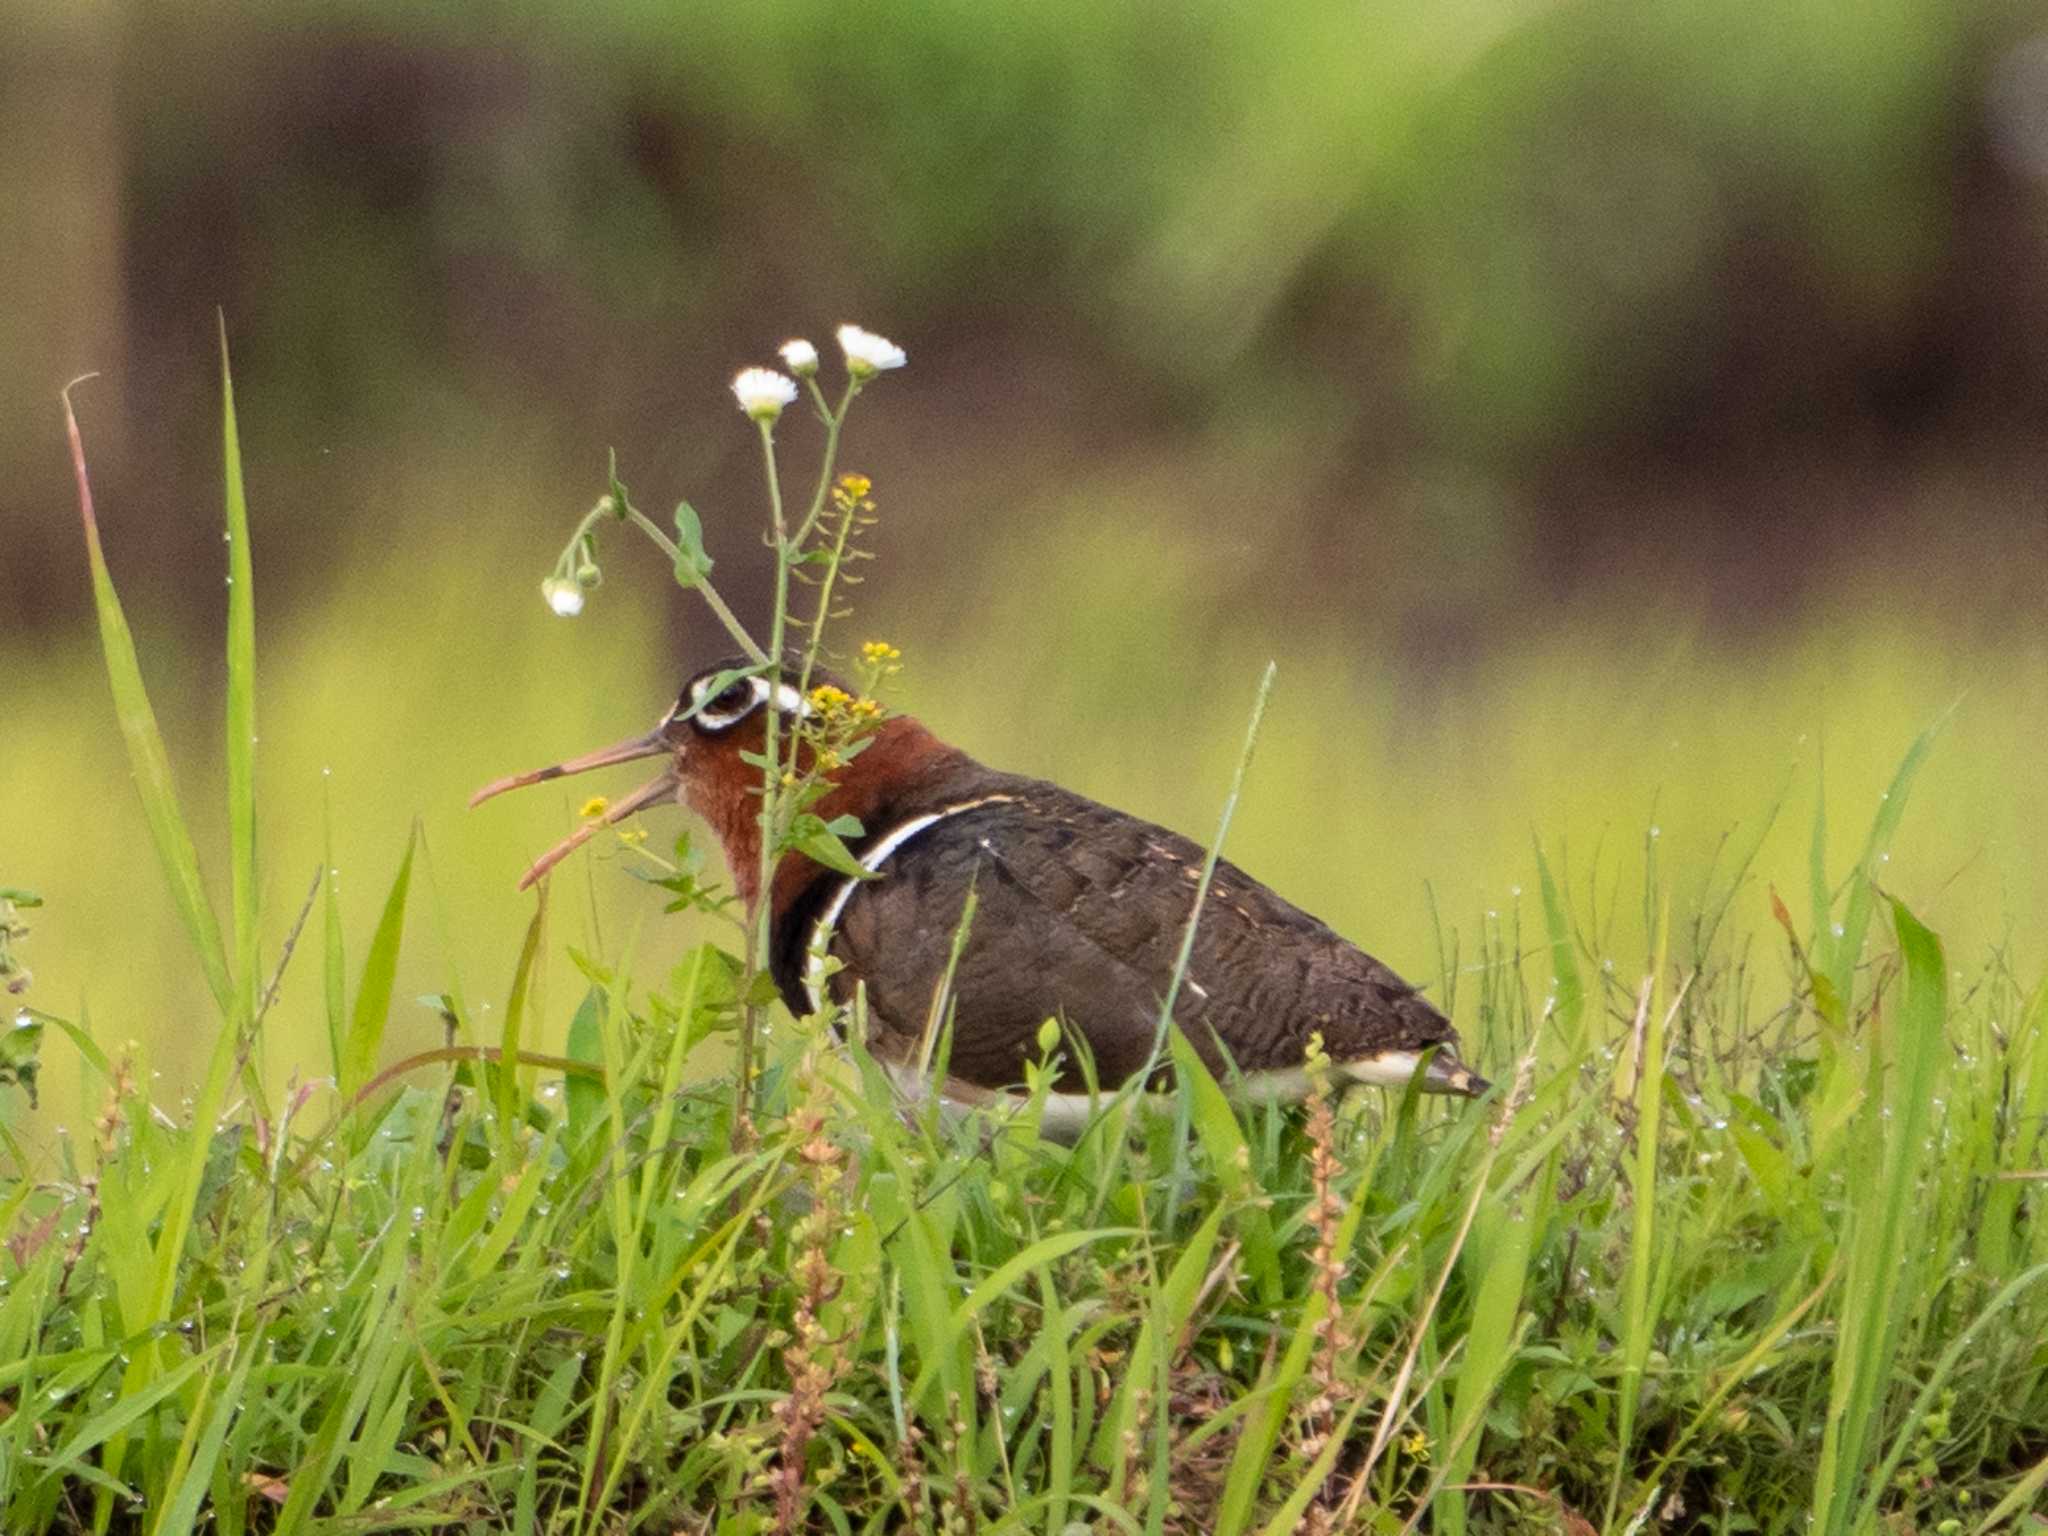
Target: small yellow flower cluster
[594, 807]
[828, 700]
[878, 660]
[850, 493]
[835, 704]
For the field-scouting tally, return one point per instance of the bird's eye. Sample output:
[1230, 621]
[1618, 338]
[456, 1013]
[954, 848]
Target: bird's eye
[726, 709]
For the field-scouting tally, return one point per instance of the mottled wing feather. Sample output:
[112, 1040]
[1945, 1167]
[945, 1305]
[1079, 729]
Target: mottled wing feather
[1080, 913]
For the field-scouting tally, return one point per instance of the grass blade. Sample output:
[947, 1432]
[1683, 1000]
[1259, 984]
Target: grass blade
[241, 702]
[147, 759]
[2002, 1233]
[505, 1076]
[1564, 962]
[333, 960]
[1892, 1128]
[1640, 1319]
[1847, 948]
[373, 990]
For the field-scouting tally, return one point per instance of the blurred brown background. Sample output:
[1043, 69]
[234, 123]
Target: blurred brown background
[1608, 415]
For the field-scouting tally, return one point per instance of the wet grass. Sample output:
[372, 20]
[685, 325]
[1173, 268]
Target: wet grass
[1748, 1238]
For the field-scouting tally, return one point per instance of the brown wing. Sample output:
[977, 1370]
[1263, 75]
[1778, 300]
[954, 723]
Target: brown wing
[1080, 911]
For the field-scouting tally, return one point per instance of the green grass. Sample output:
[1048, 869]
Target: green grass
[1750, 1238]
[594, 1315]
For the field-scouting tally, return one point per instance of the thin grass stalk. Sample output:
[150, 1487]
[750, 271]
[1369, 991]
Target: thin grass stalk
[1893, 1121]
[144, 741]
[1480, 1177]
[1183, 1099]
[241, 717]
[1639, 1317]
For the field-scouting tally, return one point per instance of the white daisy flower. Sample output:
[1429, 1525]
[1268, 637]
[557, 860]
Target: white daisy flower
[565, 597]
[868, 354]
[762, 392]
[801, 357]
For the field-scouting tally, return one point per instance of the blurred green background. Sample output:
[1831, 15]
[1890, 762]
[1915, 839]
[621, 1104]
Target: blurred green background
[1613, 419]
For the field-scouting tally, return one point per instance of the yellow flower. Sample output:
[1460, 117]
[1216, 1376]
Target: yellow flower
[880, 650]
[1416, 1446]
[855, 486]
[593, 807]
[828, 700]
[867, 709]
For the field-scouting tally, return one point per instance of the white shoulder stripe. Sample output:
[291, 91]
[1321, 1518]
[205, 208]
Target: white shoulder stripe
[872, 861]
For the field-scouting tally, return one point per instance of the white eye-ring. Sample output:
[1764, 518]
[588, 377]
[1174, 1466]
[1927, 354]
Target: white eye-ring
[746, 695]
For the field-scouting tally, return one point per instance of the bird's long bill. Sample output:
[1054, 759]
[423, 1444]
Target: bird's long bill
[654, 791]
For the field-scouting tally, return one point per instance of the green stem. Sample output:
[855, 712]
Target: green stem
[824, 609]
[703, 585]
[758, 959]
[833, 421]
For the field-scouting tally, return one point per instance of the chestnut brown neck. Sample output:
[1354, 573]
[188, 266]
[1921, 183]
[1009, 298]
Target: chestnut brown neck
[900, 764]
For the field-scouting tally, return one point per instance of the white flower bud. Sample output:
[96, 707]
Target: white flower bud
[868, 354]
[801, 357]
[565, 597]
[762, 392]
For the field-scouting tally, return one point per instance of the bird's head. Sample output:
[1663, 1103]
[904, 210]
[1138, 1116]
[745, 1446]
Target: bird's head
[718, 723]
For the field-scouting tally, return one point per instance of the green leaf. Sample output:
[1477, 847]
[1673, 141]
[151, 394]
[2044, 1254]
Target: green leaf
[147, 760]
[586, 1043]
[506, 1076]
[19, 898]
[621, 502]
[1222, 1137]
[241, 701]
[333, 975]
[373, 989]
[1848, 949]
[20, 1049]
[692, 563]
[823, 843]
[198, 1456]
[1882, 1254]
[1564, 960]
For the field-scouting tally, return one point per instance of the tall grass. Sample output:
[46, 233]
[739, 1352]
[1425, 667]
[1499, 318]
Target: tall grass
[1751, 1239]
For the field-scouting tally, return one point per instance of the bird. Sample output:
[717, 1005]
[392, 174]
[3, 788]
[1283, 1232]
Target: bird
[1079, 916]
